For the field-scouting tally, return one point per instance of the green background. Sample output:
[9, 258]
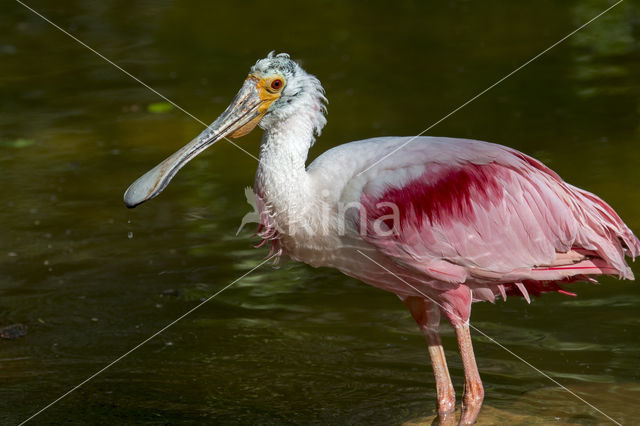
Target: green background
[92, 279]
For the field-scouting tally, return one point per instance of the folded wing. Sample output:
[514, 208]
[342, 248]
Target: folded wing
[485, 213]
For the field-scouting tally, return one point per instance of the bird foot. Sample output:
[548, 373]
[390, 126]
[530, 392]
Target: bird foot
[445, 419]
[471, 406]
[447, 403]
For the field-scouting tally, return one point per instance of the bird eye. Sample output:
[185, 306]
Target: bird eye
[277, 84]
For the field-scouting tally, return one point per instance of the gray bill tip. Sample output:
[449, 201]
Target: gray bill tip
[130, 202]
[146, 187]
[132, 197]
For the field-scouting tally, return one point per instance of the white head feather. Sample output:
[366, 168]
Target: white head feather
[302, 93]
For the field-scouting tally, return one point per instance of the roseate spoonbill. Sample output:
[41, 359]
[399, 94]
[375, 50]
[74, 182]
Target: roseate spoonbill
[441, 222]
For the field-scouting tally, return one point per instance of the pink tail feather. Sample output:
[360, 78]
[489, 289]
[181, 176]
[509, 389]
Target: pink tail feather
[604, 232]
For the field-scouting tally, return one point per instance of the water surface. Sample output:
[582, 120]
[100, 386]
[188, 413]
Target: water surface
[92, 279]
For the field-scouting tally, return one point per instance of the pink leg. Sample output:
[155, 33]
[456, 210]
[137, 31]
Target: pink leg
[456, 306]
[473, 391]
[427, 315]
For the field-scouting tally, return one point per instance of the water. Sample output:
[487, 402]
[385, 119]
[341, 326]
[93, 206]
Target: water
[289, 345]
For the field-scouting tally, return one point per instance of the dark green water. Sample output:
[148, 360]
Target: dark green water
[92, 279]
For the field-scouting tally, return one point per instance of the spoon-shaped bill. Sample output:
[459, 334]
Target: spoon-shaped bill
[238, 119]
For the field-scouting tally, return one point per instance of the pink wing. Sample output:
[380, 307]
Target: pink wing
[486, 214]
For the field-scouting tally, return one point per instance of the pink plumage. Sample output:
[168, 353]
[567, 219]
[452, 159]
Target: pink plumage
[497, 217]
[440, 222]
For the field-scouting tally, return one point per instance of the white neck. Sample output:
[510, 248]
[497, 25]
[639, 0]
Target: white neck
[282, 180]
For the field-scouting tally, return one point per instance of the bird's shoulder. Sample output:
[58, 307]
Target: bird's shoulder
[370, 165]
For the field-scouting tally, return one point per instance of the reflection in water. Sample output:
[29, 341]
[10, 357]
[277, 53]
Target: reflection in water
[293, 344]
[551, 408]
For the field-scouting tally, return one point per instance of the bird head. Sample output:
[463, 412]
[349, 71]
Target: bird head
[301, 92]
[275, 88]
